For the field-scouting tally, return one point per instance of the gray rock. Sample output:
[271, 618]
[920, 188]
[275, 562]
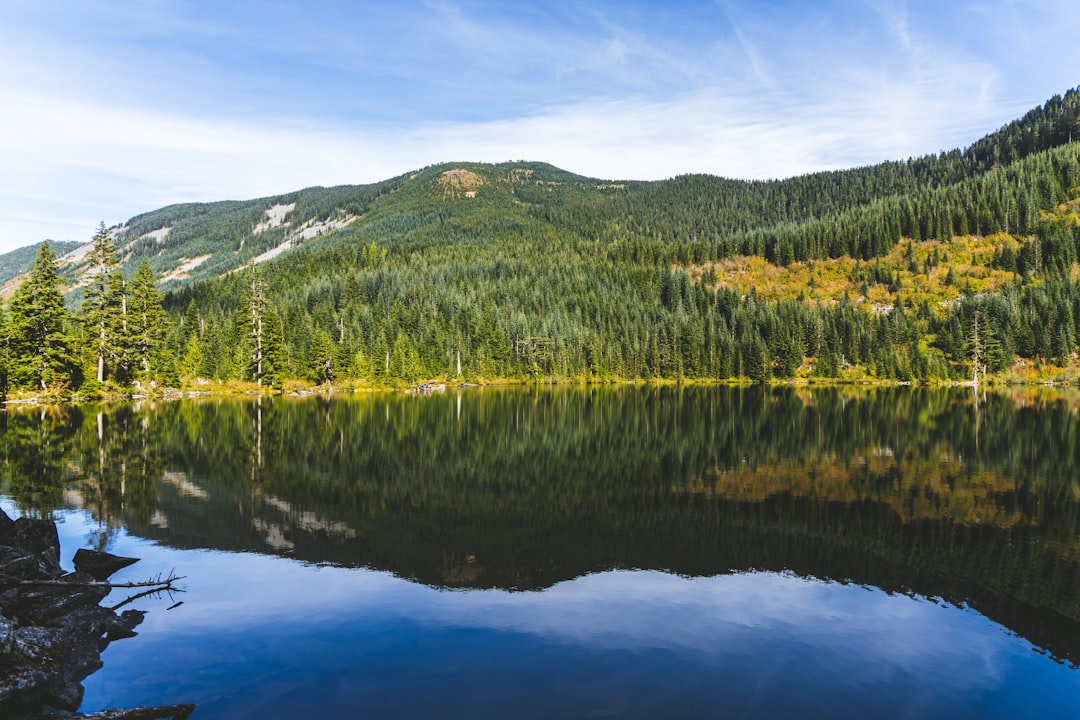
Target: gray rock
[21, 681]
[100, 564]
[16, 563]
[175, 712]
[30, 534]
[51, 636]
[65, 692]
[37, 645]
[44, 603]
[38, 537]
[27, 654]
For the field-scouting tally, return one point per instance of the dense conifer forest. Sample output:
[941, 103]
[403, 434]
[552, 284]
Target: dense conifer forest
[944, 267]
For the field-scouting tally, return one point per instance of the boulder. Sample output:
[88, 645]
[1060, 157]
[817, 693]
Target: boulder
[53, 628]
[16, 564]
[38, 537]
[42, 604]
[100, 564]
[21, 681]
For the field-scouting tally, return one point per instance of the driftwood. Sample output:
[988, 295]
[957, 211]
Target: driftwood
[147, 593]
[160, 584]
[154, 586]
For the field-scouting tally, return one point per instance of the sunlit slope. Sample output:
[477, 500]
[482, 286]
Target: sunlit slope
[862, 212]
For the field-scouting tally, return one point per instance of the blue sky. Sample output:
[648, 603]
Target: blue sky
[113, 108]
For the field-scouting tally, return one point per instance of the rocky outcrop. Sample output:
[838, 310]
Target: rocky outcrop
[52, 627]
[101, 565]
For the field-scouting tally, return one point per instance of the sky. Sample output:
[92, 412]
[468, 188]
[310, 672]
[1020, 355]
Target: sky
[116, 107]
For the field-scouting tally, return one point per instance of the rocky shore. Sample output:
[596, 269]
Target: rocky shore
[53, 628]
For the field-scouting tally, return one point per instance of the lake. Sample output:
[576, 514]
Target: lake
[581, 552]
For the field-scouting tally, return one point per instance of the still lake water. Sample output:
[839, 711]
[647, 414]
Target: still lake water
[580, 552]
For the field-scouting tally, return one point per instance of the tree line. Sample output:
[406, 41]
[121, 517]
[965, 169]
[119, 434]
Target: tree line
[118, 335]
[544, 315]
[532, 307]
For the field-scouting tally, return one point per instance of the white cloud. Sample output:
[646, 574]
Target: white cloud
[609, 91]
[71, 164]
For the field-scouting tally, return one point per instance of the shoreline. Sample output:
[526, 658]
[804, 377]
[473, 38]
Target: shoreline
[55, 628]
[298, 389]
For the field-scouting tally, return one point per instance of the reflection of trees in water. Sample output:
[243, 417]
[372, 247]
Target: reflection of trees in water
[37, 444]
[919, 452]
[905, 489]
[914, 451]
[108, 461]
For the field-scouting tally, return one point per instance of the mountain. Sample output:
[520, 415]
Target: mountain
[201, 240]
[930, 267]
[14, 263]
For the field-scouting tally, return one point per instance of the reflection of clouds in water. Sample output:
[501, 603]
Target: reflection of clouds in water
[779, 619]
[738, 614]
[766, 638]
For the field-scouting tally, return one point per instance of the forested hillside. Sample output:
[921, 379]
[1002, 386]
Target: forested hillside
[932, 268]
[16, 262]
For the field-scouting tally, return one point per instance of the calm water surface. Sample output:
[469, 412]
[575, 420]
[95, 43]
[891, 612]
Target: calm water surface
[581, 552]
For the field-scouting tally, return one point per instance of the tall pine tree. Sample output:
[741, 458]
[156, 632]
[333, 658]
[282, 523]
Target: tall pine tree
[117, 331]
[146, 323]
[40, 347]
[99, 301]
[261, 334]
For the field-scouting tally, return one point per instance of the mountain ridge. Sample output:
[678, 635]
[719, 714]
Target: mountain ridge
[192, 241]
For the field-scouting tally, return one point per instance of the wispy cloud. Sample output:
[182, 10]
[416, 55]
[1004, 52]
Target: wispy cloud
[115, 112]
[100, 162]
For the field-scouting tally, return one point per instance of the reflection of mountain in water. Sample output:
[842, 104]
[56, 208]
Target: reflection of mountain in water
[907, 490]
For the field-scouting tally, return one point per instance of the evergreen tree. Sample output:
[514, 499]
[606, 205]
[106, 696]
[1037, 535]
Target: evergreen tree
[273, 350]
[40, 345]
[5, 354]
[98, 301]
[994, 353]
[192, 362]
[252, 323]
[323, 365]
[756, 361]
[146, 322]
[975, 346]
[116, 323]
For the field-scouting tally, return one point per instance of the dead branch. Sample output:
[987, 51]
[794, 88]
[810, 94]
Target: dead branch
[145, 593]
[160, 583]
